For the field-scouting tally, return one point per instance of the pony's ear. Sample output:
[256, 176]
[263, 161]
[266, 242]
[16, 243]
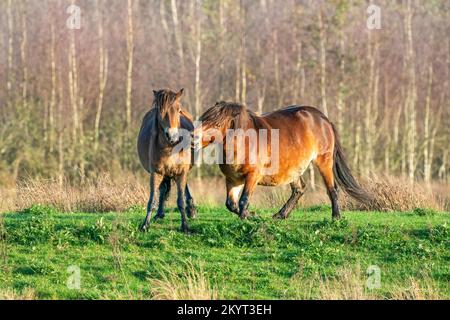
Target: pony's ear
[155, 92]
[179, 93]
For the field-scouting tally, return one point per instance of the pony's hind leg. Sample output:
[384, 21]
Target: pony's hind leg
[191, 210]
[164, 192]
[298, 188]
[325, 164]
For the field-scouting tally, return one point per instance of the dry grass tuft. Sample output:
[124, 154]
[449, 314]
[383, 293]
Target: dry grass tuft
[192, 284]
[346, 285]
[105, 194]
[100, 195]
[417, 291]
[26, 294]
[350, 284]
[394, 194]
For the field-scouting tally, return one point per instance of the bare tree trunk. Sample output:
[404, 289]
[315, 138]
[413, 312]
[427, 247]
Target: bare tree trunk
[238, 63]
[60, 131]
[177, 32]
[357, 151]
[198, 56]
[10, 78]
[426, 129]
[276, 65]
[411, 94]
[261, 87]
[323, 64]
[25, 113]
[51, 110]
[23, 56]
[371, 104]
[82, 150]
[162, 12]
[130, 50]
[243, 75]
[340, 97]
[102, 77]
[442, 173]
[388, 142]
[73, 88]
[221, 45]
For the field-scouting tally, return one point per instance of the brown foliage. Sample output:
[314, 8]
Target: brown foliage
[394, 194]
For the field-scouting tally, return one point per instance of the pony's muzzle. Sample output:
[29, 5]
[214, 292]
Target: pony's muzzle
[173, 135]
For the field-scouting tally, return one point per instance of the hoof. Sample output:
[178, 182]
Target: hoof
[247, 214]
[185, 229]
[278, 216]
[144, 228]
[244, 215]
[192, 213]
[159, 216]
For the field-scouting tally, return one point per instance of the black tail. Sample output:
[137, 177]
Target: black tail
[343, 175]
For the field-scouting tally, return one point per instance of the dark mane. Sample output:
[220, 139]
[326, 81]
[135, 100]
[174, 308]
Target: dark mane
[164, 98]
[222, 113]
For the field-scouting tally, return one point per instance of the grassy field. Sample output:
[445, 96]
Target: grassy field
[306, 257]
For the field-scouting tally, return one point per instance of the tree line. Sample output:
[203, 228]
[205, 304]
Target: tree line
[72, 96]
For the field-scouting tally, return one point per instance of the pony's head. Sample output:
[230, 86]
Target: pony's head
[169, 109]
[217, 120]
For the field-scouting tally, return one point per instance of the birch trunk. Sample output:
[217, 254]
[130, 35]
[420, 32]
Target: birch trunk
[52, 105]
[10, 78]
[102, 77]
[426, 129]
[73, 89]
[411, 94]
[198, 56]
[130, 51]
[323, 64]
[340, 97]
[60, 135]
[177, 32]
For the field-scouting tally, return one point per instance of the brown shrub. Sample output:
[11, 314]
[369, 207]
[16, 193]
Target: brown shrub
[393, 194]
[106, 194]
[100, 195]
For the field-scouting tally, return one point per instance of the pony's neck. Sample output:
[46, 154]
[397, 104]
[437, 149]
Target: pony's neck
[250, 120]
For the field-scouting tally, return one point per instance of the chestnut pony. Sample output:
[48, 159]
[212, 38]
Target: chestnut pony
[305, 135]
[159, 134]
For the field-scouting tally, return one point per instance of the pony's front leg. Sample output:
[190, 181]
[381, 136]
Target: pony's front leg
[250, 183]
[233, 196]
[191, 210]
[164, 192]
[150, 204]
[181, 188]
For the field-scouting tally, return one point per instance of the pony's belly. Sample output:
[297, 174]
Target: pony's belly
[287, 173]
[233, 172]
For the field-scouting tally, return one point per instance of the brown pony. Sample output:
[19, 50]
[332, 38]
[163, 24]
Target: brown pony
[159, 135]
[305, 135]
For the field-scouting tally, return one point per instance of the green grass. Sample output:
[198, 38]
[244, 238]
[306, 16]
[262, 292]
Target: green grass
[301, 257]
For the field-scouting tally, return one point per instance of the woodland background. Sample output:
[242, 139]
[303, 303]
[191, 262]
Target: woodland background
[71, 100]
